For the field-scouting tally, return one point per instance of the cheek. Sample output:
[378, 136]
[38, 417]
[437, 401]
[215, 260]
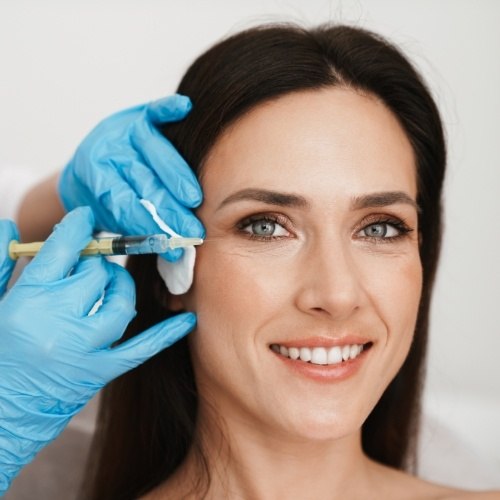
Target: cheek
[238, 283]
[396, 292]
[234, 295]
[404, 289]
[393, 287]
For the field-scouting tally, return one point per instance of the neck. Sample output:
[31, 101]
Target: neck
[246, 461]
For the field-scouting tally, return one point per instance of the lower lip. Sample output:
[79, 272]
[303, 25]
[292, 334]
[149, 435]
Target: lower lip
[324, 373]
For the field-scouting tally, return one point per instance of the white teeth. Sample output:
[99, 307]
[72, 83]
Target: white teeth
[334, 355]
[355, 350]
[346, 352]
[305, 354]
[320, 355]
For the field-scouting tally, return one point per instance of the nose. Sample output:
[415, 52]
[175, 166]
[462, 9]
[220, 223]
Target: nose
[330, 282]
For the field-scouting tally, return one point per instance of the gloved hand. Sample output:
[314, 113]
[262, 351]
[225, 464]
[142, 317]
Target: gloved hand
[53, 356]
[124, 159]
[8, 232]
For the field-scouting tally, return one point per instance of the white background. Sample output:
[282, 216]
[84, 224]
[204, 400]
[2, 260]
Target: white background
[67, 64]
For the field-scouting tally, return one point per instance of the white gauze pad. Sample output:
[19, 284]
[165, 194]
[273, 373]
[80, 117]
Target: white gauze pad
[178, 276]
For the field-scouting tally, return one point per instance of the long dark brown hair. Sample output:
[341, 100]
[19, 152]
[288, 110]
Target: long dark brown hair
[147, 418]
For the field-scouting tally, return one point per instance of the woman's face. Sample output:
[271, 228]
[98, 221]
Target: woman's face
[311, 255]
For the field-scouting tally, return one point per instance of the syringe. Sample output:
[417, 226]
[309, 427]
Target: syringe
[118, 245]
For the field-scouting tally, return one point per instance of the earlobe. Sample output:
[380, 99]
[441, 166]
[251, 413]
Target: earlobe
[175, 303]
[169, 301]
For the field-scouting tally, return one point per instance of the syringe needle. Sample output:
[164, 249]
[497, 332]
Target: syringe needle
[181, 242]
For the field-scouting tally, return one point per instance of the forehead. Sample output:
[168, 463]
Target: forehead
[316, 142]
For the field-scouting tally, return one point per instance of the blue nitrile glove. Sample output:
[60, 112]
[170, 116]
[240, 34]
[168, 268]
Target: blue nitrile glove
[124, 159]
[53, 356]
[8, 232]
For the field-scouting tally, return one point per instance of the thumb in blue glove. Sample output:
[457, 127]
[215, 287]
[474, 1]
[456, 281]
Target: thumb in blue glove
[126, 159]
[8, 232]
[53, 356]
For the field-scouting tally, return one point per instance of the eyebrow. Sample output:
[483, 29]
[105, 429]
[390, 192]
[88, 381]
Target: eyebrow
[266, 196]
[382, 199]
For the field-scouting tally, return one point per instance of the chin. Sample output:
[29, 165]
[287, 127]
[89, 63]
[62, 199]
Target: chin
[322, 426]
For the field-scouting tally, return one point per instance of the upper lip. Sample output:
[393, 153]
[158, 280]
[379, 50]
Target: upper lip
[324, 341]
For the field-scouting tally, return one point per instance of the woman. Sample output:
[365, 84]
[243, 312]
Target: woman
[321, 157]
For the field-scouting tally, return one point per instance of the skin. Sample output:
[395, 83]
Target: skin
[287, 435]
[35, 224]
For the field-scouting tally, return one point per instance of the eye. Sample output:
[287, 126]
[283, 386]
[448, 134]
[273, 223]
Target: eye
[264, 227]
[380, 230]
[384, 230]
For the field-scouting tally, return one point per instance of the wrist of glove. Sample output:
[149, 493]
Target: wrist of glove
[20, 443]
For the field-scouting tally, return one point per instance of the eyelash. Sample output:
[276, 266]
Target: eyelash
[401, 227]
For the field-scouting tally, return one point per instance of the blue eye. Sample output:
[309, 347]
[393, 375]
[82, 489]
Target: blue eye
[263, 228]
[380, 230]
[385, 230]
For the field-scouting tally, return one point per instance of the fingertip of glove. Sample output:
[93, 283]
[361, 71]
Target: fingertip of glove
[189, 318]
[69, 236]
[194, 229]
[193, 195]
[78, 216]
[180, 325]
[184, 103]
[171, 108]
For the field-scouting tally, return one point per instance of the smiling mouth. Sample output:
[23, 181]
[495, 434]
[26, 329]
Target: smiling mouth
[322, 355]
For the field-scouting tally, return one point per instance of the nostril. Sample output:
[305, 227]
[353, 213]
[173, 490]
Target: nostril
[319, 310]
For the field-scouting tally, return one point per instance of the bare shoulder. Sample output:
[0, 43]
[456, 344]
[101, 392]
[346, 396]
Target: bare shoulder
[441, 492]
[401, 485]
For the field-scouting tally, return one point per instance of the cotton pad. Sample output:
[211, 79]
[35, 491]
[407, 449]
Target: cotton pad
[178, 276]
